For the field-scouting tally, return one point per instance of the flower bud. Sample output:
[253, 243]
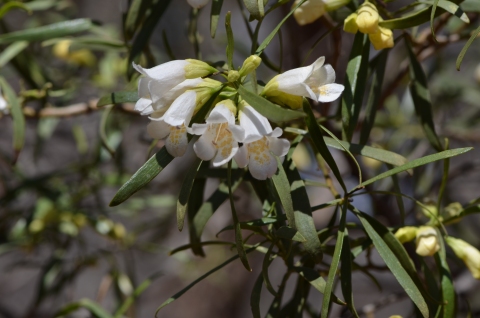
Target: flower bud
[430, 210]
[332, 5]
[195, 68]
[250, 64]
[467, 253]
[350, 23]
[382, 39]
[453, 210]
[284, 99]
[427, 241]
[79, 57]
[233, 76]
[406, 234]
[368, 18]
[309, 11]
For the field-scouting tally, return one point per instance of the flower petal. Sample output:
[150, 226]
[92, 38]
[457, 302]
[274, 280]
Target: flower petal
[225, 153]
[144, 105]
[197, 4]
[163, 99]
[309, 11]
[237, 132]
[204, 147]
[256, 125]
[277, 132]
[241, 157]
[262, 166]
[181, 110]
[292, 81]
[221, 114]
[158, 129]
[279, 146]
[197, 129]
[321, 75]
[143, 91]
[177, 141]
[330, 92]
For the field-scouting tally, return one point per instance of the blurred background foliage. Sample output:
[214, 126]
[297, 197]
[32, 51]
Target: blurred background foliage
[63, 251]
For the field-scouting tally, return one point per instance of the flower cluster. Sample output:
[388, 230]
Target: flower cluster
[366, 20]
[171, 93]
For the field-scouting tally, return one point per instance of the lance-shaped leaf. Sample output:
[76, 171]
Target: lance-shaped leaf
[95, 309]
[11, 51]
[17, 115]
[282, 187]
[230, 40]
[135, 15]
[54, 30]
[352, 98]
[268, 109]
[194, 203]
[118, 98]
[465, 48]
[346, 274]
[290, 234]
[143, 176]
[446, 280]
[215, 16]
[255, 297]
[185, 192]
[317, 282]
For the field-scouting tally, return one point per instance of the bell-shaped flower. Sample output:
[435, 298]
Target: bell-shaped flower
[315, 81]
[350, 23]
[467, 253]
[406, 234]
[197, 4]
[159, 80]
[309, 11]
[382, 39]
[176, 140]
[368, 18]
[427, 241]
[219, 135]
[260, 145]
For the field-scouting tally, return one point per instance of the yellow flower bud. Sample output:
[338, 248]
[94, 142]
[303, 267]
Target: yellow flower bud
[467, 253]
[452, 210]
[309, 11]
[284, 99]
[350, 24]
[430, 209]
[250, 64]
[196, 68]
[382, 39]
[368, 18]
[79, 57]
[427, 241]
[406, 234]
[233, 76]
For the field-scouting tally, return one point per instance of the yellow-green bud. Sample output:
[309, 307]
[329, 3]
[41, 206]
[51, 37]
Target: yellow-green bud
[250, 64]
[350, 23]
[406, 234]
[332, 5]
[452, 210]
[427, 241]
[382, 39]
[36, 226]
[229, 104]
[430, 210]
[233, 76]
[196, 68]
[289, 100]
[368, 18]
[467, 253]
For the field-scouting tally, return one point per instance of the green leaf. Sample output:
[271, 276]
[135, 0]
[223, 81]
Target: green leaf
[118, 98]
[317, 281]
[215, 16]
[447, 6]
[255, 297]
[294, 308]
[136, 293]
[290, 234]
[194, 204]
[352, 97]
[319, 142]
[17, 115]
[274, 310]
[103, 130]
[46, 32]
[396, 258]
[230, 40]
[448, 290]
[470, 6]
[374, 95]
[272, 34]
[185, 192]
[5, 8]
[135, 14]
[267, 260]
[282, 187]
[11, 51]
[268, 109]
[465, 48]
[346, 274]
[332, 272]
[91, 306]
[184, 290]
[416, 163]
[256, 8]
[143, 176]
[39, 5]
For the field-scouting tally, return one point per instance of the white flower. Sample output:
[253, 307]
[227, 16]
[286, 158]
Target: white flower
[154, 87]
[259, 144]
[219, 136]
[197, 4]
[309, 11]
[427, 241]
[3, 104]
[315, 81]
[467, 253]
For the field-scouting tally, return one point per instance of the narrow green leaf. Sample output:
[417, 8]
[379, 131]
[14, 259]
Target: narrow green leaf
[465, 48]
[317, 281]
[95, 309]
[5, 8]
[290, 234]
[11, 51]
[294, 308]
[54, 30]
[268, 109]
[230, 40]
[215, 16]
[185, 192]
[448, 289]
[282, 186]
[184, 290]
[39, 5]
[346, 274]
[143, 176]
[17, 115]
[255, 297]
[416, 163]
[332, 272]
[274, 310]
[421, 99]
[267, 260]
[401, 267]
[272, 34]
[432, 17]
[136, 293]
[118, 98]
[103, 130]
[319, 143]
[352, 97]
[470, 6]
[238, 230]
[135, 14]
[374, 96]
[194, 204]
[447, 6]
